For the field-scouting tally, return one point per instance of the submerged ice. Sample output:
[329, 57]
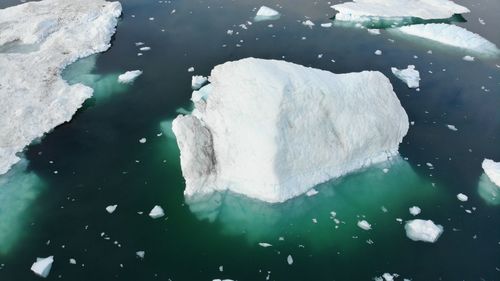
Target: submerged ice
[35, 98]
[271, 130]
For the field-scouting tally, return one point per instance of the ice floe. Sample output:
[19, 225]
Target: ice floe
[366, 10]
[42, 266]
[415, 210]
[423, 230]
[35, 98]
[239, 138]
[156, 212]
[492, 170]
[451, 35]
[111, 208]
[363, 224]
[129, 76]
[265, 13]
[410, 75]
[462, 197]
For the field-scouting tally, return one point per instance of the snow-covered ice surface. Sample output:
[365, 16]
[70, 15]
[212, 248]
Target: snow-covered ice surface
[492, 170]
[409, 75]
[265, 13]
[42, 266]
[129, 76]
[451, 35]
[423, 230]
[35, 98]
[363, 10]
[309, 126]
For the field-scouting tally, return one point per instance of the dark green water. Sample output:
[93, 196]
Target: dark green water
[100, 162]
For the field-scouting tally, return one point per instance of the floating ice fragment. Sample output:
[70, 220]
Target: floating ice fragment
[142, 140]
[265, 245]
[415, 210]
[289, 260]
[111, 208]
[308, 23]
[312, 192]
[266, 13]
[156, 212]
[363, 224]
[327, 24]
[129, 76]
[468, 58]
[191, 69]
[409, 75]
[423, 230]
[378, 52]
[145, 48]
[42, 266]
[492, 170]
[140, 254]
[452, 127]
[462, 197]
[374, 31]
[72, 261]
[197, 81]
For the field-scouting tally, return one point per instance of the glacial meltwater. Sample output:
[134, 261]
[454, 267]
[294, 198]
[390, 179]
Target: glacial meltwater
[119, 150]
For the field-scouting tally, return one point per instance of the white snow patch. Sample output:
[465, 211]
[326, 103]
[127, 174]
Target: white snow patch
[35, 98]
[415, 210]
[492, 170]
[42, 266]
[312, 126]
[410, 75]
[129, 76]
[423, 230]
[265, 13]
[156, 212]
[363, 224]
[462, 197]
[451, 35]
[365, 10]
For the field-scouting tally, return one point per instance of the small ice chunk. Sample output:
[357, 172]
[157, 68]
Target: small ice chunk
[156, 212]
[423, 230]
[452, 127]
[415, 210]
[72, 261]
[327, 24]
[462, 197]
[492, 170]
[308, 23]
[374, 31]
[197, 81]
[111, 208]
[142, 140]
[265, 245]
[145, 48]
[42, 266]
[191, 69]
[289, 259]
[378, 52]
[140, 254]
[266, 13]
[364, 225]
[409, 75]
[129, 76]
[468, 58]
[312, 192]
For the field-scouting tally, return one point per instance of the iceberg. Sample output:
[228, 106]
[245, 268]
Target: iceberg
[156, 212]
[272, 130]
[129, 76]
[492, 170]
[451, 35]
[423, 230]
[265, 13]
[35, 98]
[367, 10]
[409, 75]
[42, 266]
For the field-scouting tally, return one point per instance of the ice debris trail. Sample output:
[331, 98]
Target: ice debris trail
[272, 130]
[366, 10]
[37, 41]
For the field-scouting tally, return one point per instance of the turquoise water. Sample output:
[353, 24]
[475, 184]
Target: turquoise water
[54, 203]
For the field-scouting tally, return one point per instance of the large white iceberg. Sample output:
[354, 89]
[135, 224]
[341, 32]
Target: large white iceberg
[362, 10]
[492, 170]
[423, 230]
[271, 130]
[451, 35]
[37, 40]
